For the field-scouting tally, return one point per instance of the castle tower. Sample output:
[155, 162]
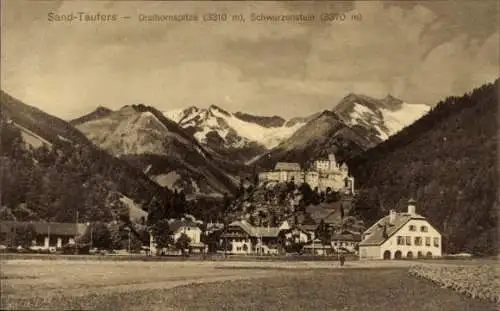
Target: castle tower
[332, 161]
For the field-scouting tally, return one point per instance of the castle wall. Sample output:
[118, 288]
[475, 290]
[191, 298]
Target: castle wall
[325, 173]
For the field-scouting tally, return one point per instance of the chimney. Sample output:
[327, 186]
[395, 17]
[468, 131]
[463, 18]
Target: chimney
[411, 206]
[392, 216]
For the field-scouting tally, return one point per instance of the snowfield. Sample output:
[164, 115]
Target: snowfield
[385, 121]
[224, 123]
[397, 120]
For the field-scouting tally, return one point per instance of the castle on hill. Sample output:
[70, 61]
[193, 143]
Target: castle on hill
[323, 174]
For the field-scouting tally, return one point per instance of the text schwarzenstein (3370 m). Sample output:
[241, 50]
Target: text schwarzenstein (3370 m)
[216, 17]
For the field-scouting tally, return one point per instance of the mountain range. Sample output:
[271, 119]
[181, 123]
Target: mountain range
[240, 136]
[357, 122]
[208, 151]
[445, 157]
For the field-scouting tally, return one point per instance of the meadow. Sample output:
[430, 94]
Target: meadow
[231, 285]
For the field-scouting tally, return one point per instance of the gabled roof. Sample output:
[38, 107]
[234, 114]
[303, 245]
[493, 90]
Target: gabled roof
[46, 228]
[287, 166]
[346, 237]
[297, 227]
[375, 234]
[330, 214]
[256, 231]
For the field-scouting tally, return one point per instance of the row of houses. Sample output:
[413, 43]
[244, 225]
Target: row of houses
[394, 236]
[244, 238]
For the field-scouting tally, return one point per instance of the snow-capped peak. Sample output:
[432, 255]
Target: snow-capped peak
[233, 130]
[175, 114]
[386, 116]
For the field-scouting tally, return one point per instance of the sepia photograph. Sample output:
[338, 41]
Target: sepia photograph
[249, 155]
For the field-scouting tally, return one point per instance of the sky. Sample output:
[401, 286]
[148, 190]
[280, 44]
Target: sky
[420, 52]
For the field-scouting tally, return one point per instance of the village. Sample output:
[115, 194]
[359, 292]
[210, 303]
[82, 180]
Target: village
[317, 231]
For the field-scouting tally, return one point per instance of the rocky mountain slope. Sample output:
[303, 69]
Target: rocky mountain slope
[51, 171]
[237, 135]
[381, 118]
[323, 135]
[160, 147]
[356, 124]
[448, 162]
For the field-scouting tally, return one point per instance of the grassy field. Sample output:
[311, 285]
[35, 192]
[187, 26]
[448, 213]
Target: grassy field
[106, 285]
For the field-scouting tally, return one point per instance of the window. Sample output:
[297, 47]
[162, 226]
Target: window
[427, 241]
[418, 241]
[400, 240]
[413, 228]
[408, 240]
[436, 242]
[423, 229]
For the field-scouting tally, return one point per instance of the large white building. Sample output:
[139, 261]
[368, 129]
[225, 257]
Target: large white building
[324, 174]
[401, 235]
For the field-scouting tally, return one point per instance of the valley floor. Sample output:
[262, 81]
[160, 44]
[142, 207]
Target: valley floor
[129, 285]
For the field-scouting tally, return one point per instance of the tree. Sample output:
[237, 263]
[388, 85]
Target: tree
[25, 235]
[226, 245]
[182, 243]
[203, 236]
[226, 203]
[274, 220]
[255, 176]
[115, 235]
[98, 235]
[162, 234]
[241, 189]
[291, 244]
[307, 193]
[290, 186]
[156, 211]
[323, 233]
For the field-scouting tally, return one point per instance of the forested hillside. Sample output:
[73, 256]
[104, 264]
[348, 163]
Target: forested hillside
[447, 161]
[50, 171]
